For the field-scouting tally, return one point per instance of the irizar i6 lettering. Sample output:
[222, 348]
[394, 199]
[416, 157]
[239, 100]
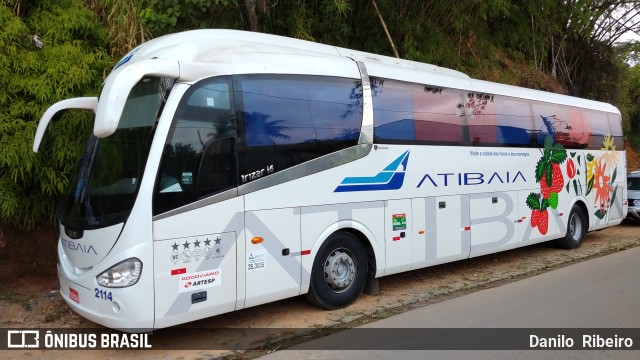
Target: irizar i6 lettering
[242, 168]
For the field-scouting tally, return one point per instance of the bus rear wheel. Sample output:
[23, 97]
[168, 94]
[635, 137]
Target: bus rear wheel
[576, 229]
[339, 272]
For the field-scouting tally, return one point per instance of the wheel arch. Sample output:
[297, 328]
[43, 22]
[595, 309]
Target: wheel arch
[581, 203]
[366, 237]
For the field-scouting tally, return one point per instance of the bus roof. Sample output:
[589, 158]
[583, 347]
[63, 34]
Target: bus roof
[218, 46]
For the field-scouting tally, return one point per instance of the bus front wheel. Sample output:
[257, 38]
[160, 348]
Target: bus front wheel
[576, 229]
[339, 272]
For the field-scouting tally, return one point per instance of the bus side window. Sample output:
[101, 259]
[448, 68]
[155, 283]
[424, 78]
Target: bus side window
[199, 156]
[616, 131]
[599, 129]
[286, 120]
[565, 124]
[514, 122]
[216, 170]
[410, 113]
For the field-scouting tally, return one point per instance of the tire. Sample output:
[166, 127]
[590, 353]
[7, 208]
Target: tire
[339, 272]
[576, 229]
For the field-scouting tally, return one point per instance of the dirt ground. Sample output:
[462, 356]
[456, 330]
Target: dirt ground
[34, 302]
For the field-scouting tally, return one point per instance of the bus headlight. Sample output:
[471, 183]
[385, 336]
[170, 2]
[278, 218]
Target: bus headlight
[123, 274]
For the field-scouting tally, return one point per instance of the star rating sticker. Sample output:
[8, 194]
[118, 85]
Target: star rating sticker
[217, 241]
[186, 245]
[207, 242]
[175, 246]
[196, 243]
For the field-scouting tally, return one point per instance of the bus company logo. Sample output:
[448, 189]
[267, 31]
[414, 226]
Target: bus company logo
[73, 246]
[199, 280]
[390, 178]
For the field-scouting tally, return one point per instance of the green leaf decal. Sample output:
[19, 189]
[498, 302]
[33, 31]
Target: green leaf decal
[613, 177]
[540, 167]
[600, 213]
[590, 185]
[613, 196]
[553, 200]
[559, 156]
[545, 204]
[532, 201]
[589, 158]
[575, 185]
[549, 172]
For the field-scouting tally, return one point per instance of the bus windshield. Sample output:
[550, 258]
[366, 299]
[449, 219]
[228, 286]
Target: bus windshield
[107, 175]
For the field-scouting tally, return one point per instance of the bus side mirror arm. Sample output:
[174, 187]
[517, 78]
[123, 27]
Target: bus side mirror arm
[88, 103]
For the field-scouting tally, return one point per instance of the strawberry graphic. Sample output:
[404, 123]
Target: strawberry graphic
[557, 180]
[535, 218]
[540, 219]
[549, 176]
[543, 226]
[539, 213]
[544, 188]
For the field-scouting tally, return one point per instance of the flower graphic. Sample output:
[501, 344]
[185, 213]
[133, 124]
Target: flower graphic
[599, 180]
[610, 157]
[591, 164]
[608, 143]
[601, 186]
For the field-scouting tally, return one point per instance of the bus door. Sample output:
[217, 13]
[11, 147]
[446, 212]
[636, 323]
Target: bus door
[198, 215]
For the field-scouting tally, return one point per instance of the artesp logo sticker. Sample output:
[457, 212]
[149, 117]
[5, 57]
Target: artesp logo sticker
[390, 178]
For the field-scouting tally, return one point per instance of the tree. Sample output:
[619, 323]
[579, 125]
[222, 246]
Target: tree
[69, 61]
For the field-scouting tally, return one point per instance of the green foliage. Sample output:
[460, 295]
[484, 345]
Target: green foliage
[123, 24]
[69, 64]
[562, 46]
[160, 17]
[632, 86]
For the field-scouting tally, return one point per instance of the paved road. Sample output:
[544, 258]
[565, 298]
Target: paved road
[599, 293]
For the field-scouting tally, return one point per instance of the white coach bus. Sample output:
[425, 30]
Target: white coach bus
[228, 169]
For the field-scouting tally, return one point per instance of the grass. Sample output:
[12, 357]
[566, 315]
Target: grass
[11, 296]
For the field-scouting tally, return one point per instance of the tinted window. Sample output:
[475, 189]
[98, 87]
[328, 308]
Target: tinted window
[566, 124]
[199, 157]
[616, 130]
[480, 109]
[514, 121]
[286, 120]
[598, 128]
[633, 183]
[414, 113]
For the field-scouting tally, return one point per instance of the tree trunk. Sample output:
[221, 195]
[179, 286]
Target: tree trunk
[254, 24]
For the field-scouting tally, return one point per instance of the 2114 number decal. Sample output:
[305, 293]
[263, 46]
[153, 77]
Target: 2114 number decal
[103, 294]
